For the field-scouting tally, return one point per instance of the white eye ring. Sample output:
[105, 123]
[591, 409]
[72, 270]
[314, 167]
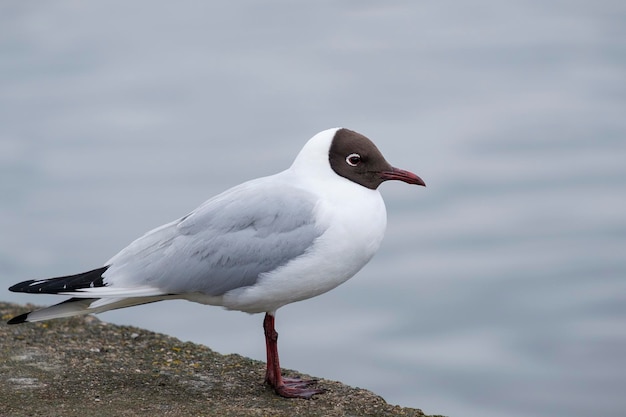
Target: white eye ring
[353, 159]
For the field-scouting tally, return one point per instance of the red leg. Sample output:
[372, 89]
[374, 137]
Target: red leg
[286, 387]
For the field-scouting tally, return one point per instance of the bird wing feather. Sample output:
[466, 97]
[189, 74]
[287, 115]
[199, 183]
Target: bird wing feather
[226, 243]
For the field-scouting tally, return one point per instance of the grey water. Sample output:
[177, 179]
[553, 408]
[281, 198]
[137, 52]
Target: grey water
[500, 289]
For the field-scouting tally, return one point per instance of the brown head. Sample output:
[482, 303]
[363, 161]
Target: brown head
[355, 157]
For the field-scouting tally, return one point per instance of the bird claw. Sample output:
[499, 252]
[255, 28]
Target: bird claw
[297, 388]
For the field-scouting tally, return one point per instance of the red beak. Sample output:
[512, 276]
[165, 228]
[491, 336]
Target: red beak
[402, 175]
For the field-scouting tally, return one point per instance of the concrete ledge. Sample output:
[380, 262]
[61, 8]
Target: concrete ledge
[84, 367]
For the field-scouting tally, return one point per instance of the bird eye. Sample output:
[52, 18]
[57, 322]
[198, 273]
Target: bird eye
[353, 159]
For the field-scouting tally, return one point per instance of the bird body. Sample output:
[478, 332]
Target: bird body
[255, 247]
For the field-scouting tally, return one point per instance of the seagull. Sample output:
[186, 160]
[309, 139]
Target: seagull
[256, 247]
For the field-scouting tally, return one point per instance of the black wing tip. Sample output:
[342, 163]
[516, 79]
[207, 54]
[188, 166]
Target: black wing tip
[67, 283]
[21, 286]
[22, 318]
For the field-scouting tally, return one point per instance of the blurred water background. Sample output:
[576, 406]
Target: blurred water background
[499, 290]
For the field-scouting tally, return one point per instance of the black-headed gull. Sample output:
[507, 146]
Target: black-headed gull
[254, 248]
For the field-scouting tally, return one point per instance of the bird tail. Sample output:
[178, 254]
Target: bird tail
[85, 285]
[79, 306]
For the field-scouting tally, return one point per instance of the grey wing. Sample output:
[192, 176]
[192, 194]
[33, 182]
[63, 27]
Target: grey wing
[224, 244]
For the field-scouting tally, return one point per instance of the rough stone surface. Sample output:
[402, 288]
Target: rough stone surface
[84, 367]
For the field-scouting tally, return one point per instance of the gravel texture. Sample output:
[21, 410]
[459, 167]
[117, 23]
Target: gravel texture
[85, 367]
